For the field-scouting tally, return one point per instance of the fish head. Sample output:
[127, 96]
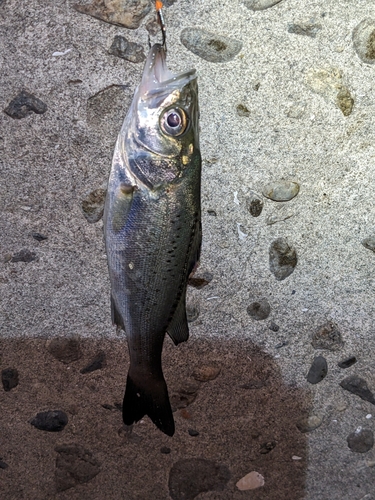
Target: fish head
[164, 113]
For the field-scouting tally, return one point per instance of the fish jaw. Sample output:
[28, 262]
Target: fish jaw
[159, 90]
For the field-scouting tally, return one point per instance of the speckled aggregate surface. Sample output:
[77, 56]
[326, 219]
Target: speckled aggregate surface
[296, 104]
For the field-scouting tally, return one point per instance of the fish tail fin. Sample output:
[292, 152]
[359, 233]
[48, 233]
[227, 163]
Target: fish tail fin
[148, 398]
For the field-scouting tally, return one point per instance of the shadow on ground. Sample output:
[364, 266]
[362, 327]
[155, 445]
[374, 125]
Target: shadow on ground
[246, 419]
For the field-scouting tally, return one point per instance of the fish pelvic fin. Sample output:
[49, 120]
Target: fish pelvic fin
[116, 316]
[148, 398]
[178, 328]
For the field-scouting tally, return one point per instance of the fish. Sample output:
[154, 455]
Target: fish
[152, 229]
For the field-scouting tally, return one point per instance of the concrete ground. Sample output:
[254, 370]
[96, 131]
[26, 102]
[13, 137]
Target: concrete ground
[291, 101]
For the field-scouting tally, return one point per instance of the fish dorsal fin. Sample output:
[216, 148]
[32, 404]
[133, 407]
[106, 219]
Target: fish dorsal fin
[178, 328]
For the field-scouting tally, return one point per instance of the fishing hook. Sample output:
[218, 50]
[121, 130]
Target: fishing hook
[159, 6]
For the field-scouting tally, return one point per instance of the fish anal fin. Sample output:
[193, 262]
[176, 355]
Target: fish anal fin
[178, 328]
[116, 316]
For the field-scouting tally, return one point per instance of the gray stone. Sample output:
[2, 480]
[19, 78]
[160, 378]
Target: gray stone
[190, 477]
[282, 258]
[318, 370]
[347, 362]
[281, 190]
[361, 441]
[25, 104]
[121, 47]
[50, 421]
[274, 327]
[209, 46]
[259, 310]
[309, 424]
[358, 386]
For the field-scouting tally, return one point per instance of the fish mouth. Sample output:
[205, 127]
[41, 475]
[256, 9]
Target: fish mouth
[156, 75]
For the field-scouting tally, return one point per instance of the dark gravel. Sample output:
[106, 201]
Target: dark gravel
[51, 421]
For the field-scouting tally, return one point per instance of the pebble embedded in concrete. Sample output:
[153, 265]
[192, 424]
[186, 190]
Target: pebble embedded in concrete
[64, 349]
[126, 13]
[329, 83]
[130, 51]
[328, 336]
[369, 243]
[259, 310]
[318, 370]
[50, 421]
[364, 40]
[25, 104]
[206, 373]
[345, 101]
[281, 190]
[282, 258]
[9, 378]
[3, 465]
[310, 29]
[39, 237]
[254, 204]
[210, 46]
[309, 424]
[192, 310]
[347, 362]
[24, 255]
[358, 386]
[361, 440]
[260, 4]
[274, 327]
[242, 110]
[251, 481]
[93, 205]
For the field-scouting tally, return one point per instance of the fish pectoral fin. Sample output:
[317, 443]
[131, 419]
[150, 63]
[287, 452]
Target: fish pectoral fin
[121, 206]
[178, 329]
[116, 316]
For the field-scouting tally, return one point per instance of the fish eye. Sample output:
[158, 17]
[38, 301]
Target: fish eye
[174, 121]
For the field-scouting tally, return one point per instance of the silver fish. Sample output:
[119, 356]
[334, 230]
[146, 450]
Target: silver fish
[152, 225]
